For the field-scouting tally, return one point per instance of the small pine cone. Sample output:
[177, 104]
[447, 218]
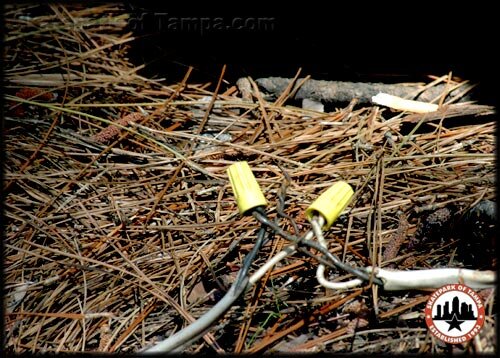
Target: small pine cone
[111, 132]
[40, 94]
[104, 337]
[19, 110]
[433, 227]
[392, 249]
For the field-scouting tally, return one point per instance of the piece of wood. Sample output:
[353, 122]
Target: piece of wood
[340, 92]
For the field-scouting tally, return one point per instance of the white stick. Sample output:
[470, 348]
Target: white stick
[401, 104]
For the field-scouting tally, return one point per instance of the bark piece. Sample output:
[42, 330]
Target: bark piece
[337, 91]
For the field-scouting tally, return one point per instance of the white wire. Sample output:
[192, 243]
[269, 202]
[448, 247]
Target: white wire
[289, 250]
[434, 278]
[317, 223]
[320, 276]
[395, 280]
[270, 263]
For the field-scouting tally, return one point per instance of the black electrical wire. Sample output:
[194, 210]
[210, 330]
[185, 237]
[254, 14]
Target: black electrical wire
[262, 218]
[240, 279]
[280, 208]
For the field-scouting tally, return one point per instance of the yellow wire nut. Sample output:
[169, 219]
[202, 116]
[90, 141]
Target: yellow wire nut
[331, 203]
[245, 187]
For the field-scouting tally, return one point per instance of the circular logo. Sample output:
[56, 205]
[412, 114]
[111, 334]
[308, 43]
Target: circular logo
[454, 313]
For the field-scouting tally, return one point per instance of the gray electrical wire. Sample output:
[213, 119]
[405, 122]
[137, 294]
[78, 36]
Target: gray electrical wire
[198, 327]
[201, 324]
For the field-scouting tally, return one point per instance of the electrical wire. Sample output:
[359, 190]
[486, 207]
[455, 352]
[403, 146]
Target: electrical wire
[202, 324]
[317, 223]
[390, 280]
[280, 208]
[288, 250]
[262, 218]
[245, 268]
[395, 280]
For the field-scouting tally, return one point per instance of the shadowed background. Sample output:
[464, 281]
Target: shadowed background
[352, 43]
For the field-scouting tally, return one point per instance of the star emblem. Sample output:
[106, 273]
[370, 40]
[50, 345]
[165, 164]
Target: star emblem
[454, 323]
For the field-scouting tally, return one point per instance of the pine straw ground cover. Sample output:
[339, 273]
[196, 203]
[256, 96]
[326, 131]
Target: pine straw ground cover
[118, 236]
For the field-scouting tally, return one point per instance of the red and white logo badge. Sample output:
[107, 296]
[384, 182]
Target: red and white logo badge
[454, 313]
